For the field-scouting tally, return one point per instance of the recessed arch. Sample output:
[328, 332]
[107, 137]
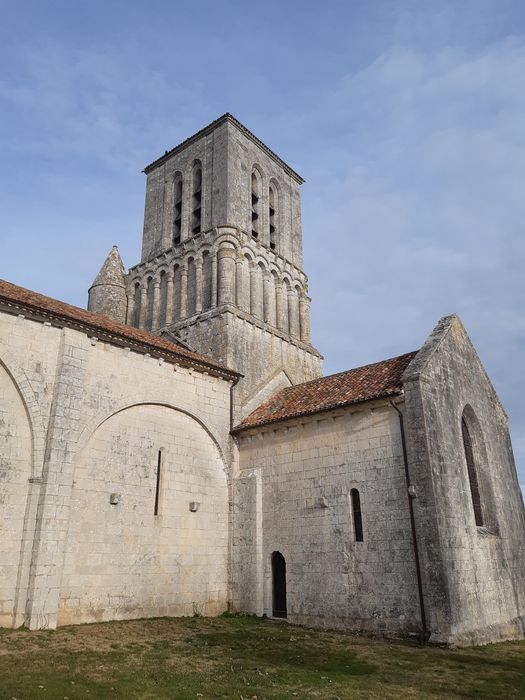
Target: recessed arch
[31, 408]
[99, 420]
[168, 520]
[475, 459]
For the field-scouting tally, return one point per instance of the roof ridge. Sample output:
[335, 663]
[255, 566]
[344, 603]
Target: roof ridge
[227, 116]
[352, 369]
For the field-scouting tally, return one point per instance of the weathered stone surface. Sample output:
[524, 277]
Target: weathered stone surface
[235, 289]
[68, 554]
[107, 294]
[91, 529]
[474, 577]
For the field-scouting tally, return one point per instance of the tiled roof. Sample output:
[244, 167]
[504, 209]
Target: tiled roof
[375, 381]
[105, 328]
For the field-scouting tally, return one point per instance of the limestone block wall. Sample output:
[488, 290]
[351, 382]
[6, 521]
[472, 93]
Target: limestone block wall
[123, 560]
[267, 359]
[474, 576]
[15, 472]
[209, 153]
[247, 159]
[103, 413]
[216, 267]
[293, 495]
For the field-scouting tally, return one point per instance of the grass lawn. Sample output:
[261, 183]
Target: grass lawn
[245, 657]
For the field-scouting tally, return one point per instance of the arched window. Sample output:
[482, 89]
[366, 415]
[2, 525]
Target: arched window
[272, 216]
[196, 199]
[356, 513]
[255, 204]
[177, 208]
[472, 472]
[279, 606]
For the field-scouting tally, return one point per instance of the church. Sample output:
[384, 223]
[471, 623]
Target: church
[175, 449]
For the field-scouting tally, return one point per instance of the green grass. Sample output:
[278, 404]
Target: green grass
[243, 658]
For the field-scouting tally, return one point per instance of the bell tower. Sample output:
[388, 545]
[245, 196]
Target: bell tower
[222, 260]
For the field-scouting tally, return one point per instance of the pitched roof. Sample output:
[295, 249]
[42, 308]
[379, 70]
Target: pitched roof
[105, 328]
[227, 117]
[375, 381]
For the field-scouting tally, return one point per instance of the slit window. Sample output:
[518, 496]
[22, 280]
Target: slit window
[255, 206]
[356, 513]
[157, 483]
[472, 473]
[177, 209]
[196, 200]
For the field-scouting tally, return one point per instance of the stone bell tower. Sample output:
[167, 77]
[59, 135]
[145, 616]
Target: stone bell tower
[222, 259]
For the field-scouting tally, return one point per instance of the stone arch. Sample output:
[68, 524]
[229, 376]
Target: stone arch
[16, 515]
[176, 207]
[102, 417]
[31, 407]
[158, 562]
[274, 213]
[477, 468]
[197, 185]
[227, 238]
[256, 201]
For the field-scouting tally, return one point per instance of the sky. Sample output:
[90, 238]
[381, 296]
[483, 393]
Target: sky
[405, 117]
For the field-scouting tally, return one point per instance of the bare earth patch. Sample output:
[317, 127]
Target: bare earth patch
[243, 657]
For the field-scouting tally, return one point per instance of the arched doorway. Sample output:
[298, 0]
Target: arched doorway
[279, 585]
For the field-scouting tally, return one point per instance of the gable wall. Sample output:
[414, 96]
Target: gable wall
[475, 577]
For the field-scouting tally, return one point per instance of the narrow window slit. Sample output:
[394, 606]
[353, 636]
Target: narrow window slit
[157, 485]
[356, 512]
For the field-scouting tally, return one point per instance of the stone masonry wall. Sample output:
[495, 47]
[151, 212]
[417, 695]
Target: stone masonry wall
[243, 156]
[292, 495]
[103, 413]
[474, 576]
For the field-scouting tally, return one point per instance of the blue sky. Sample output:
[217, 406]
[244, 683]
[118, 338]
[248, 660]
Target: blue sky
[406, 119]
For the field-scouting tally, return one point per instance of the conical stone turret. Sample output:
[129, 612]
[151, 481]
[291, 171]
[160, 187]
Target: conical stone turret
[107, 294]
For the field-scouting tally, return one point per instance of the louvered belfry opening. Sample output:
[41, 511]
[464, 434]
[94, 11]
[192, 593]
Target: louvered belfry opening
[196, 199]
[272, 217]
[255, 206]
[177, 211]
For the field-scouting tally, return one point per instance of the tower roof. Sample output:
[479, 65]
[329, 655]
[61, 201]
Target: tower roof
[227, 117]
[112, 271]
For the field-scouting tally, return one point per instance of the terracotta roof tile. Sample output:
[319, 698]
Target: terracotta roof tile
[375, 381]
[103, 326]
